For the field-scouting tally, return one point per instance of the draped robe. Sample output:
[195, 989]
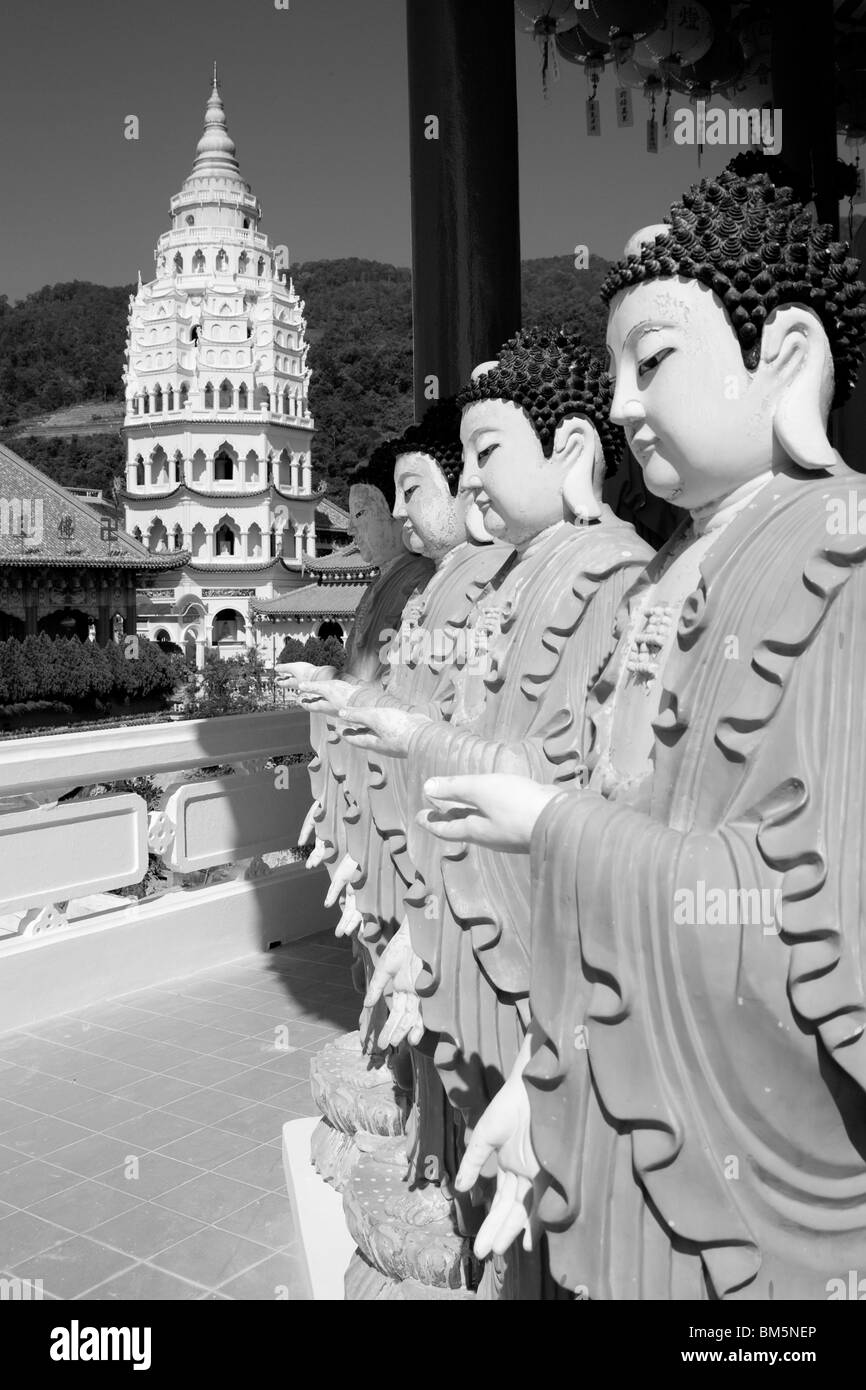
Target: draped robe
[555, 604]
[331, 768]
[697, 1093]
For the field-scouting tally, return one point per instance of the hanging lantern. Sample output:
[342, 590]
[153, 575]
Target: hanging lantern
[575, 46]
[721, 66]
[622, 22]
[632, 74]
[548, 18]
[561, 13]
[684, 37]
[752, 89]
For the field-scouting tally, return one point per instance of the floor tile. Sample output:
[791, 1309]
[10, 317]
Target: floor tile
[208, 1148]
[23, 1235]
[110, 1076]
[33, 1181]
[93, 1156]
[263, 1167]
[144, 1283]
[145, 1229]
[103, 1111]
[12, 1115]
[156, 1091]
[263, 1123]
[206, 1107]
[152, 1130]
[73, 1267]
[10, 1158]
[280, 1278]
[69, 1029]
[254, 1052]
[292, 1066]
[259, 1084]
[207, 1071]
[40, 1137]
[85, 1205]
[155, 1174]
[211, 1257]
[267, 1220]
[210, 1197]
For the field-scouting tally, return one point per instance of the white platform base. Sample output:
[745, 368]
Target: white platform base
[326, 1246]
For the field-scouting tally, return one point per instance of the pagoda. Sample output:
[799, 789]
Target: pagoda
[218, 428]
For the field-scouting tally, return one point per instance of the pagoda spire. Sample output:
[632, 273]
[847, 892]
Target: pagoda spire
[215, 152]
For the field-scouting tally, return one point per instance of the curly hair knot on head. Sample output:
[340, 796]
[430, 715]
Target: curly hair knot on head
[549, 375]
[759, 251]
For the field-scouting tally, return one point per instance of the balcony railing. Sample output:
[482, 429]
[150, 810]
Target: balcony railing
[67, 939]
[212, 236]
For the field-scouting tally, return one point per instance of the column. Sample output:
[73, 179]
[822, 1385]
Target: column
[306, 474]
[276, 472]
[131, 477]
[103, 616]
[294, 472]
[131, 615]
[209, 474]
[809, 146]
[465, 208]
[299, 542]
[31, 607]
[311, 541]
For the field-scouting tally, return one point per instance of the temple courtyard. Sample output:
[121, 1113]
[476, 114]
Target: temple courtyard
[140, 1139]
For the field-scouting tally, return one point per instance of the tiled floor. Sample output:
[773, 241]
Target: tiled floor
[140, 1140]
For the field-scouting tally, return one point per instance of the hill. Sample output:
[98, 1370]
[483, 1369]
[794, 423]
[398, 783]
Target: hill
[63, 347]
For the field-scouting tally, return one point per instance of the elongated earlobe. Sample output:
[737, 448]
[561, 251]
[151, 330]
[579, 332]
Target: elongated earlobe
[578, 490]
[800, 419]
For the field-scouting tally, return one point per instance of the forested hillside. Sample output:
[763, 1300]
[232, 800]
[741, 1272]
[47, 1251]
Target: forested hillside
[64, 344]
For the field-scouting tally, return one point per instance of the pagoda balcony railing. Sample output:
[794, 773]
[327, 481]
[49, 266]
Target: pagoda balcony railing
[213, 236]
[203, 416]
[209, 861]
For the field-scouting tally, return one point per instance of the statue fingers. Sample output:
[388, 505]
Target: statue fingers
[453, 826]
[343, 875]
[309, 824]
[318, 855]
[349, 922]
[478, 1151]
[380, 981]
[489, 1238]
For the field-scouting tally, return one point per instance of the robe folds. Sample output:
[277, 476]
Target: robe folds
[552, 608]
[418, 680]
[697, 1088]
[378, 612]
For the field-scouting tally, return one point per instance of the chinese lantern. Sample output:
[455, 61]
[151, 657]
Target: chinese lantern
[548, 18]
[684, 37]
[575, 46]
[721, 66]
[622, 22]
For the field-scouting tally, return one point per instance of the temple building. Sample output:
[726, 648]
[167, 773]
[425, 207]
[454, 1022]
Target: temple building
[66, 568]
[219, 433]
[324, 609]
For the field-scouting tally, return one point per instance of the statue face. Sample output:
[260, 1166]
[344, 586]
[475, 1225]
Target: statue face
[376, 532]
[699, 424]
[433, 520]
[517, 490]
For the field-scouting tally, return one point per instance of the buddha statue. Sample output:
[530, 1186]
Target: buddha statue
[691, 1085]
[536, 445]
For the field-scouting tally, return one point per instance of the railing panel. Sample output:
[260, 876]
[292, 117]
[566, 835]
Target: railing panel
[229, 818]
[56, 853]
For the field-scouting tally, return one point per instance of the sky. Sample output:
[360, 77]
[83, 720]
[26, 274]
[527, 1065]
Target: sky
[317, 102]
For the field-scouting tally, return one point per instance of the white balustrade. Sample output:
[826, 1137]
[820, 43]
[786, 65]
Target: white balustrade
[69, 938]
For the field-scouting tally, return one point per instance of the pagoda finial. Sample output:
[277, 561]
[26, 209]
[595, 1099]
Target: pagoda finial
[215, 152]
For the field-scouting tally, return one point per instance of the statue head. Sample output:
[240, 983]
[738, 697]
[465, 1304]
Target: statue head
[733, 329]
[429, 462]
[537, 442]
[377, 533]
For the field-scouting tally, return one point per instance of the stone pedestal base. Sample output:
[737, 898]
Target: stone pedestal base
[356, 1098]
[365, 1284]
[406, 1234]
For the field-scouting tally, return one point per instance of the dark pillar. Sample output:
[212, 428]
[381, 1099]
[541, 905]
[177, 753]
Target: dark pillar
[103, 616]
[465, 205]
[31, 607]
[131, 615]
[804, 91]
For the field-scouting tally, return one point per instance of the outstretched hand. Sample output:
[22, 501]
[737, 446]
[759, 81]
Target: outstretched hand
[494, 810]
[324, 696]
[398, 969]
[503, 1133]
[385, 731]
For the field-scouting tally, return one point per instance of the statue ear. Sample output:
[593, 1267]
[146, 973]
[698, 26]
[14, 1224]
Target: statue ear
[795, 346]
[575, 448]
